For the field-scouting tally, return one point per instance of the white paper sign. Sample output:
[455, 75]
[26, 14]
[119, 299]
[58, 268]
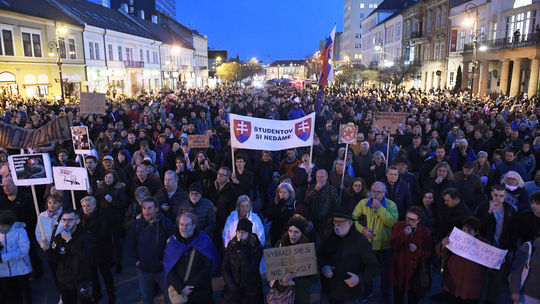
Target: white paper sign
[272, 135]
[70, 178]
[471, 248]
[30, 169]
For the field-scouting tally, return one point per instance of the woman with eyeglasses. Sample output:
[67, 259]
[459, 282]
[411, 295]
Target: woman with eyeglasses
[411, 242]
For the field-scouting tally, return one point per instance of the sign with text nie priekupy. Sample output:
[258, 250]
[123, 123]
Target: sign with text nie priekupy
[300, 260]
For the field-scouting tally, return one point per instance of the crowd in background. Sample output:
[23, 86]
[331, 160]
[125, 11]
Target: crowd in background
[382, 216]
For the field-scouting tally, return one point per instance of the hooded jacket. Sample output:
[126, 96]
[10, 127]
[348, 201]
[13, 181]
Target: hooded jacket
[14, 252]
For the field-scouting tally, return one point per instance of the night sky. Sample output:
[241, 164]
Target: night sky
[279, 29]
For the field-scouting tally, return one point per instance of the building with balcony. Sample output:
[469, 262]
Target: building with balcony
[193, 73]
[120, 54]
[425, 41]
[507, 51]
[28, 54]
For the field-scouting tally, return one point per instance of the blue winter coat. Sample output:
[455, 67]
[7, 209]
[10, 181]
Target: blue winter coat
[14, 252]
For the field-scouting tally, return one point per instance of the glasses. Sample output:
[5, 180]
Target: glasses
[222, 174]
[412, 220]
[68, 220]
[378, 192]
[337, 222]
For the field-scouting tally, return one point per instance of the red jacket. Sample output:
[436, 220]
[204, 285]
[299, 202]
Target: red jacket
[404, 262]
[463, 278]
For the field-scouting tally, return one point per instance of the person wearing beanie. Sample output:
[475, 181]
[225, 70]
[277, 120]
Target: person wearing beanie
[240, 268]
[294, 235]
[201, 207]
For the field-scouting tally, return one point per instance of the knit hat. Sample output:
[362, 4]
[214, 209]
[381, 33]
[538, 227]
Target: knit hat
[195, 187]
[302, 210]
[244, 225]
[297, 222]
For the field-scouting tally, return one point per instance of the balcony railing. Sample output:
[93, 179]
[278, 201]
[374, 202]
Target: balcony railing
[133, 64]
[417, 34]
[505, 43]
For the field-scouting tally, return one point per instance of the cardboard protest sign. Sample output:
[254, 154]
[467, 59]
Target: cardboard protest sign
[70, 178]
[198, 141]
[30, 169]
[81, 141]
[473, 249]
[14, 137]
[348, 134]
[388, 121]
[300, 260]
[92, 103]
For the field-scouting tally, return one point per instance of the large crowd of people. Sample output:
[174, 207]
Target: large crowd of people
[379, 219]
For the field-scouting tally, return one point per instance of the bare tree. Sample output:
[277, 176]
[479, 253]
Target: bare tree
[399, 72]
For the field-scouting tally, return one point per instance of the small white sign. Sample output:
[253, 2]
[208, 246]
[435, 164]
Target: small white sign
[70, 178]
[471, 248]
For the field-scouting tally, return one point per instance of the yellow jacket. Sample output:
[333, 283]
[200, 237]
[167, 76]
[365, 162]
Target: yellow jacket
[381, 221]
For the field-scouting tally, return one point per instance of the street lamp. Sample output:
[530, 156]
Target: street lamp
[471, 8]
[56, 44]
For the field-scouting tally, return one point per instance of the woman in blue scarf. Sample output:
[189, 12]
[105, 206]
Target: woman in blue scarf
[190, 244]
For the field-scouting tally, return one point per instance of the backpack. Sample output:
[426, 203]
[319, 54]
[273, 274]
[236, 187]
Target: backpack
[526, 267]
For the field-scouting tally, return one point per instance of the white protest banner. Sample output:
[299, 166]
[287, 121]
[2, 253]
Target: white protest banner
[272, 135]
[81, 141]
[471, 248]
[348, 134]
[299, 259]
[92, 103]
[388, 121]
[30, 169]
[70, 178]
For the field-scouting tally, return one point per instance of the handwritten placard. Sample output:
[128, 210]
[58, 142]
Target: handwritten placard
[198, 141]
[388, 121]
[471, 248]
[300, 260]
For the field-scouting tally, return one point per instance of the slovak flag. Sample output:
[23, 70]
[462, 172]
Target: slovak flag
[327, 68]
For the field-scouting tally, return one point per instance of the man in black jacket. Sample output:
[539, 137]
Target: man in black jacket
[398, 191]
[69, 258]
[452, 213]
[171, 195]
[529, 221]
[470, 186]
[240, 268]
[346, 261]
[499, 227]
[145, 243]
[97, 221]
[201, 207]
[322, 199]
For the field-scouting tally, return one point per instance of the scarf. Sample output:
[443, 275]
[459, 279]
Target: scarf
[175, 249]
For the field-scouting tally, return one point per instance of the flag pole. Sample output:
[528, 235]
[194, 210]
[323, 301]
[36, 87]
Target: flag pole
[34, 196]
[344, 169]
[387, 150]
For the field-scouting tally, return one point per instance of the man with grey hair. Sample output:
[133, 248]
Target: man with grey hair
[171, 195]
[363, 161]
[322, 199]
[375, 217]
[461, 153]
[97, 221]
